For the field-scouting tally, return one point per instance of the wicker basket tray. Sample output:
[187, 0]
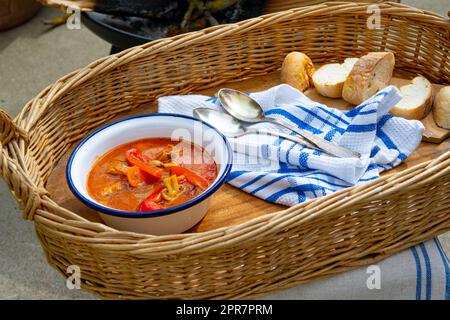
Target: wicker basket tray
[273, 251]
[271, 6]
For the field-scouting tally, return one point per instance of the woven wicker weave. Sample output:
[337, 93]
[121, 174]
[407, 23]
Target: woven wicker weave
[350, 228]
[272, 5]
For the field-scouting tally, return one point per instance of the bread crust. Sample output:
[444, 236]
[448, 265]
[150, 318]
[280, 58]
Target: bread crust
[297, 70]
[363, 82]
[441, 108]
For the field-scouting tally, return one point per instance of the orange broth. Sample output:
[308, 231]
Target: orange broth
[113, 183]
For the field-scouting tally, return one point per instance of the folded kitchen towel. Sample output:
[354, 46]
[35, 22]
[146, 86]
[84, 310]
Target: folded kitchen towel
[278, 170]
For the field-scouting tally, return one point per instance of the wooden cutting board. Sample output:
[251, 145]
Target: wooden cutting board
[433, 133]
[230, 205]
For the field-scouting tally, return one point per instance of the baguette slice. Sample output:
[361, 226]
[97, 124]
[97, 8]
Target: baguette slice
[370, 74]
[329, 79]
[417, 100]
[441, 109]
[297, 70]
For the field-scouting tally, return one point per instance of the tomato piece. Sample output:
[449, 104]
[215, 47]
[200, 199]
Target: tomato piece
[191, 176]
[146, 206]
[137, 158]
[134, 176]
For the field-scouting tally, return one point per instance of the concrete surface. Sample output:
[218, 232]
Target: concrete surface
[31, 57]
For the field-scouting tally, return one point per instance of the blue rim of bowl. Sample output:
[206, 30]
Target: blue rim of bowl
[157, 213]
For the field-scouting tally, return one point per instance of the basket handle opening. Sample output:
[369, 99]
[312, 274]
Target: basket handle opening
[12, 169]
[9, 130]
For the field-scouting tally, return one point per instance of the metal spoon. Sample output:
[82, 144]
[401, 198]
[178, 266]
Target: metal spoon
[234, 128]
[244, 108]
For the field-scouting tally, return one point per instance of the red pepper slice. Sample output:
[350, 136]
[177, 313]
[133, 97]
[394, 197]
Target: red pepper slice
[149, 206]
[149, 203]
[149, 179]
[137, 158]
[137, 154]
[191, 176]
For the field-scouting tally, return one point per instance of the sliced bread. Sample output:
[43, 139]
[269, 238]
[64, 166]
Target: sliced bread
[417, 99]
[370, 74]
[329, 79]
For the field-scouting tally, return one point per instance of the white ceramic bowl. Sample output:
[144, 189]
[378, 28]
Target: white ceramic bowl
[168, 221]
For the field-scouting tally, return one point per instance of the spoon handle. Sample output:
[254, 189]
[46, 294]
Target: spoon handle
[319, 143]
[296, 139]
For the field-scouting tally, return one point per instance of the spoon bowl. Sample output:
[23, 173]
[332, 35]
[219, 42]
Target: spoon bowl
[240, 105]
[220, 120]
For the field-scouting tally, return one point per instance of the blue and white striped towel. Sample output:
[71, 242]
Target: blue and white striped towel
[278, 170]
